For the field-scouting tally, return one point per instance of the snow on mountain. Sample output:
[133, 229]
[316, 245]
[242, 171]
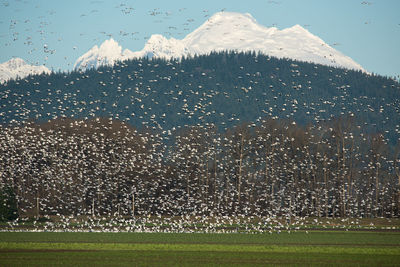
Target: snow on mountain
[227, 31]
[241, 32]
[159, 46]
[107, 54]
[18, 68]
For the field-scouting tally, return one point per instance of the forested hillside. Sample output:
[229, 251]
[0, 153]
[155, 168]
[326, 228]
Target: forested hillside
[222, 88]
[229, 133]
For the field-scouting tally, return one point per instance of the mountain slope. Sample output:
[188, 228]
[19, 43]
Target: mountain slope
[222, 88]
[231, 31]
[17, 67]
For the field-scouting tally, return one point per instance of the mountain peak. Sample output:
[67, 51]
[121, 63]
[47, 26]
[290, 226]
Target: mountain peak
[107, 54]
[297, 27]
[110, 46]
[159, 46]
[227, 31]
[223, 16]
[14, 63]
[18, 68]
[156, 39]
[228, 21]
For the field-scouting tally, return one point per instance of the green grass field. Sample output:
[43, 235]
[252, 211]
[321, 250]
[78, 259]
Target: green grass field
[317, 248]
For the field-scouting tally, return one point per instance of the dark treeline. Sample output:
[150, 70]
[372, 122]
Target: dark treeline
[275, 168]
[223, 88]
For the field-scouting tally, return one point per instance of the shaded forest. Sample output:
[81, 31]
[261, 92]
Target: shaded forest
[107, 167]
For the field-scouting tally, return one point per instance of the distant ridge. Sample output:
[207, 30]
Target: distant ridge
[226, 31]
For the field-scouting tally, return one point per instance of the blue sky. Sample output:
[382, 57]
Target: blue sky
[56, 33]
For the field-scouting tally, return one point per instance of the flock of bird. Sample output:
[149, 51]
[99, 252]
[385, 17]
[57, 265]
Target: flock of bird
[112, 151]
[111, 158]
[188, 224]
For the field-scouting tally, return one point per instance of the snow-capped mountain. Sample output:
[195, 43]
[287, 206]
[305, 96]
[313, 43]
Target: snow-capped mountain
[107, 54]
[227, 31]
[17, 67]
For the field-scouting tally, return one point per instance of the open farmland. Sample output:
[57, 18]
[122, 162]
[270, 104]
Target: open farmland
[351, 248]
